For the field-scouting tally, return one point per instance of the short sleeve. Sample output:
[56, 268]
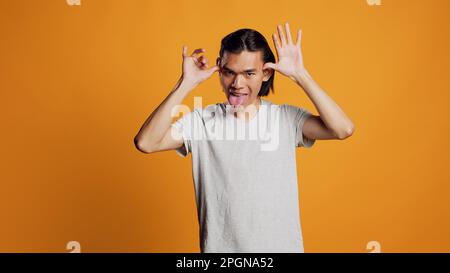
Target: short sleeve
[297, 116]
[184, 125]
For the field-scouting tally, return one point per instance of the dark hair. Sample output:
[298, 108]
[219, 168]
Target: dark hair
[250, 40]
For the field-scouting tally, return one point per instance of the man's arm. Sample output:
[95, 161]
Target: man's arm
[157, 134]
[332, 123]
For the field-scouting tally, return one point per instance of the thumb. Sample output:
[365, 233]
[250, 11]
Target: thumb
[270, 66]
[213, 69]
[184, 54]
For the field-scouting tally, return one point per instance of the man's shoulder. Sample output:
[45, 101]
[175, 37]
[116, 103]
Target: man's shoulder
[288, 107]
[203, 114]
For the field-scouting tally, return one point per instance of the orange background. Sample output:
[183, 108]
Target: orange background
[77, 82]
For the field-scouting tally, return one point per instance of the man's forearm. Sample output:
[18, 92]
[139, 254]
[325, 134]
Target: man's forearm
[331, 114]
[160, 120]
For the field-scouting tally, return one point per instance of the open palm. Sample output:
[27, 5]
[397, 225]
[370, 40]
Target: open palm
[290, 58]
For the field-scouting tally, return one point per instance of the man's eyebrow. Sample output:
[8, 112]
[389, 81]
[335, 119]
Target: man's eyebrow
[247, 70]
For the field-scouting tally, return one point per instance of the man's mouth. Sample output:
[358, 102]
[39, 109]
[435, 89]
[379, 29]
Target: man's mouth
[238, 94]
[236, 98]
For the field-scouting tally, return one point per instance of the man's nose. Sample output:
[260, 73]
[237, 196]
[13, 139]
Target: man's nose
[237, 82]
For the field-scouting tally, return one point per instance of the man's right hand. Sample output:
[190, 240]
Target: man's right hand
[195, 68]
[157, 134]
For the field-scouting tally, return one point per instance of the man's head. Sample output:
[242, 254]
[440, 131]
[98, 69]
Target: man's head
[242, 56]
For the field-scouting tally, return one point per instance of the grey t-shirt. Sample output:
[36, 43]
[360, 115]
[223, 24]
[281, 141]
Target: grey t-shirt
[245, 176]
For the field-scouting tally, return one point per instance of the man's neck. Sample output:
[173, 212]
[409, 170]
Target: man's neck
[249, 111]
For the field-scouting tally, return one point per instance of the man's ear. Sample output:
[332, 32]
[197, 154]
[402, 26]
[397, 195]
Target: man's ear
[268, 72]
[218, 63]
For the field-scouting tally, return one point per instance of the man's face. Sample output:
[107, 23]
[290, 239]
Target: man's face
[241, 76]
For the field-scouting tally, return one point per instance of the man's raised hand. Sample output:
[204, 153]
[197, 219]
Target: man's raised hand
[195, 68]
[290, 58]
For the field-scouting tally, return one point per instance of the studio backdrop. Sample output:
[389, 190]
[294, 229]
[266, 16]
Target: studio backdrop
[78, 78]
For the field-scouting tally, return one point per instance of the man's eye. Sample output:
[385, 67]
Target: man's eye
[250, 73]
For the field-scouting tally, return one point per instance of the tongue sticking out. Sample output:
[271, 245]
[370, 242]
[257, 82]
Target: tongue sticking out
[237, 100]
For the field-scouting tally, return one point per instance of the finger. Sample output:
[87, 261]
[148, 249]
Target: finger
[299, 38]
[277, 43]
[204, 66]
[184, 51]
[203, 60]
[213, 69]
[270, 66]
[288, 33]
[197, 51]
[280, 32]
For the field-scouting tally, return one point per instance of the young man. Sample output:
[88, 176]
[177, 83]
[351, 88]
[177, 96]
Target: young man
[246, 193]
